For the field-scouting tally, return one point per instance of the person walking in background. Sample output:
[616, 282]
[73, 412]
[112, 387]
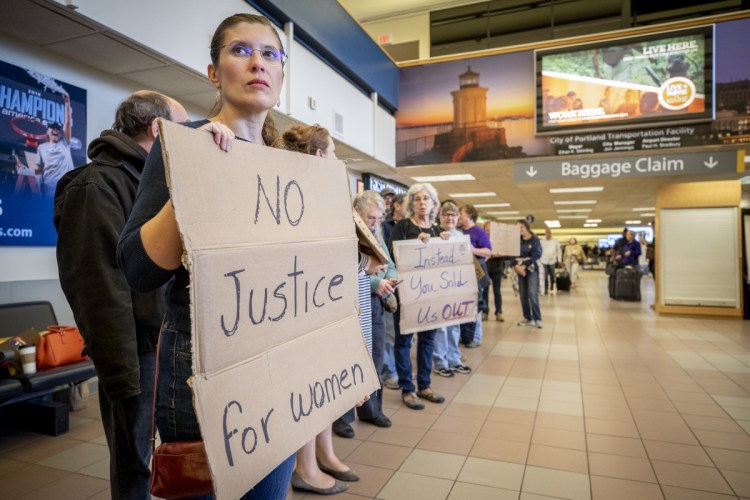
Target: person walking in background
[631, 251]
[527, 269]
[551, 257]
[573, 259]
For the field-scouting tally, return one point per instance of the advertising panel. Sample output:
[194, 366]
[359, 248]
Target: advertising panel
[42, 136]
[639, 80]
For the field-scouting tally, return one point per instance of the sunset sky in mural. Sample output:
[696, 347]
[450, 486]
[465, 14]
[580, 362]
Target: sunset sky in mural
[425, 91]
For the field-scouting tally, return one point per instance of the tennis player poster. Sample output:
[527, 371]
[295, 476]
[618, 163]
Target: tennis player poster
[42, 137]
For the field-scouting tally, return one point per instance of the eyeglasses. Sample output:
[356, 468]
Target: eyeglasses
[241, 50]
[449, 214]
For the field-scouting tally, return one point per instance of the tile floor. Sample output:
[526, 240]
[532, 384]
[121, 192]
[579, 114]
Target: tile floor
[608, 401]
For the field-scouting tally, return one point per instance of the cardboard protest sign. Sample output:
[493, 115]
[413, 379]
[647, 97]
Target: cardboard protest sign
[278, 352]
[440, 286]
[368, 244]
[505, 239]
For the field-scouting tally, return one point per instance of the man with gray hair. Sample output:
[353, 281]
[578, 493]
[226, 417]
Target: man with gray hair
[119, 325]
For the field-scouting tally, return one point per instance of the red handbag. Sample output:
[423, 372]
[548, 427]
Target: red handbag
[178, 469]
[61, 345]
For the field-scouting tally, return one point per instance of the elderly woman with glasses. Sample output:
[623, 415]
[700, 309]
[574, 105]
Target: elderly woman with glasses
[446, 356]
[422, 202]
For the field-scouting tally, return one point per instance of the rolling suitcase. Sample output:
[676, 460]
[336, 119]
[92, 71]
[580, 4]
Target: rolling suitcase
[562, 281]
[628, 284]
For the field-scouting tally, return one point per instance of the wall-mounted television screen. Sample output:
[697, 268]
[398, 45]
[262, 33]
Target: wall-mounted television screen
[656, 79]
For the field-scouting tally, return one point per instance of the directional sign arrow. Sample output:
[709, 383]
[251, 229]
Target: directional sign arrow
[531, 172]
[711, 163]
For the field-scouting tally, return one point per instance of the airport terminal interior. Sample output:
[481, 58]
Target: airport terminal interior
[604, 123]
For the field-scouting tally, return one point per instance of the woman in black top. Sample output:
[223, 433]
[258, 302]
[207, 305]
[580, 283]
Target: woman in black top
[422, 203]
[247, 67]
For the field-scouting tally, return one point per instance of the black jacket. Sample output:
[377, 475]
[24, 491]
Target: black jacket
[92, 204]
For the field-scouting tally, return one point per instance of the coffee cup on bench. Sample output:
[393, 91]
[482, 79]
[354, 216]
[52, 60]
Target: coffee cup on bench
[28, 358]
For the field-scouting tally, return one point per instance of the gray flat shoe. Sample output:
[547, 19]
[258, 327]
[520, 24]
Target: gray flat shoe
[411, 400]
[347, 475]
[300, 484]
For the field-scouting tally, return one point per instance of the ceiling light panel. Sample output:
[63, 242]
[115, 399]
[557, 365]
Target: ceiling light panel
[445, 178]
[576, 202]
[590, 189]
[471, 195]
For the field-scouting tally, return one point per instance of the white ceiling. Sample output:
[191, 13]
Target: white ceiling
[371, 10]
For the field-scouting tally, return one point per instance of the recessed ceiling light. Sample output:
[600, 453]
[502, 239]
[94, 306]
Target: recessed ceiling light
[444, 178]
[632, 222]
[644, 209]
[572, 217]
[592, 221]
[552, 223]
[471, 195]
[590, 224]
[507, 212]
[507, 217]
[576, 202]
[650, 214]
[591, 189]
[492, 205]
[574, 210]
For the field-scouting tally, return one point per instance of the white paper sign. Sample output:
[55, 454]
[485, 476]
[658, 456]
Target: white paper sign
[505, 239]
[439, 283]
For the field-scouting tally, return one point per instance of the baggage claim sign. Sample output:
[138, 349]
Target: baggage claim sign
[713, 162]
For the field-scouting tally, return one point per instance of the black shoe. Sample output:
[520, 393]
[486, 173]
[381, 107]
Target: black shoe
[379, 421]
[444, 372]
[342, 429]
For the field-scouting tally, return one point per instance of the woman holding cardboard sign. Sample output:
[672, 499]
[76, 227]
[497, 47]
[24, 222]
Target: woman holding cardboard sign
[318, 468]
[247, 67]
[422, 202]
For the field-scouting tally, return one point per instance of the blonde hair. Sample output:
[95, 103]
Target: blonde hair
[369, 200]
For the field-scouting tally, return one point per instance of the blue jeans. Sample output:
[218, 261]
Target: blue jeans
[127, 427]
[478, 330]
[446, 353]
[425, 345]
[388, 368]
[528, 290]
[175, 416]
